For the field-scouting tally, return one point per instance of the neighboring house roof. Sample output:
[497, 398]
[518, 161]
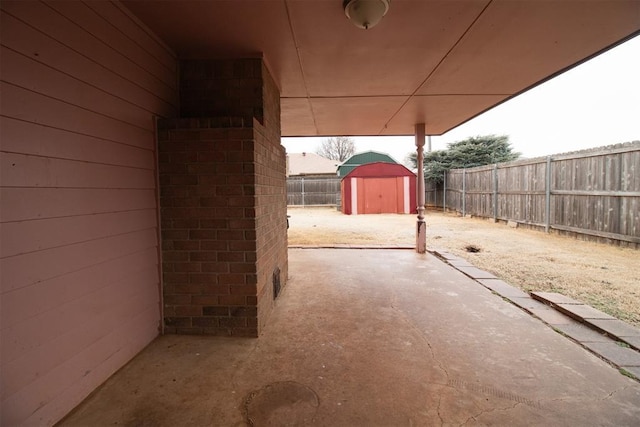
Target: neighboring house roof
[310, 164]
[363, 159]
[379, 170]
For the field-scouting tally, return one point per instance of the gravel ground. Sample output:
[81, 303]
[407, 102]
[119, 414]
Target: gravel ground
[605, 277]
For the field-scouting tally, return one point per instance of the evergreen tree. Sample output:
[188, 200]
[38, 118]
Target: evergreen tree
[468, 153]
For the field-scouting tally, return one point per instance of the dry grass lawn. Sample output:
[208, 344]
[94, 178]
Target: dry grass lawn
[605, 277]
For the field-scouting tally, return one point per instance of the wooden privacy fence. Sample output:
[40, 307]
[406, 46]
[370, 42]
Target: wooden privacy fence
[305, 191]
[594, 193]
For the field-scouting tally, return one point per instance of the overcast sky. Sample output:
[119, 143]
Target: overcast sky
[592, 105]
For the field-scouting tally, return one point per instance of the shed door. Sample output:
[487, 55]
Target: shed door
[378, 195]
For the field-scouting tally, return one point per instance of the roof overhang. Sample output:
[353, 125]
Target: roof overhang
[435, 62]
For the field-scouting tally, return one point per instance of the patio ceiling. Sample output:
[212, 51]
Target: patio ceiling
[434, 62]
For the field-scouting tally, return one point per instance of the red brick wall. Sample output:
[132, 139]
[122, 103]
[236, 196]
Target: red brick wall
[223, 88]
[271, 107]
[223, 201]
[271, 222]
[271, 200]
[207, 195]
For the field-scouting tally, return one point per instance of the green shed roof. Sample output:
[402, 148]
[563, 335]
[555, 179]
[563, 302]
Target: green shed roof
[362, 159]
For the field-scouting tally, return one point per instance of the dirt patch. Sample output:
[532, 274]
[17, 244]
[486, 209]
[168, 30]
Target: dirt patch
[605, 277]
[472, 248]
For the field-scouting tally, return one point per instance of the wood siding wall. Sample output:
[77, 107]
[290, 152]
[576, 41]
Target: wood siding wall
[81, 84]
[595, 194]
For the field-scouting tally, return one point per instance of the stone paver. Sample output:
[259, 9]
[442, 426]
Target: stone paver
[541, 311]
[633, 370]
[633, 341]
[616, 354]
[476, 273]
[459, 263]
[583, 311]
[551, 316]
[581, 333]
[616, 327]
[447, 255]
[503, 288]
[529, 304]
[554, 298]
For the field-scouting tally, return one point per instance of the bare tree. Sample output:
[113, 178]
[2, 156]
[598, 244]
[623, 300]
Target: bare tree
[337, 148]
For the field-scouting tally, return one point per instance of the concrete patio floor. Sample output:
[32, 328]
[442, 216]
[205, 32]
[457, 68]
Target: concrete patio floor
[371, 338]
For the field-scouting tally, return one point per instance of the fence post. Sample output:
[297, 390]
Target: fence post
[495, 192]
[444, 193]
[464, 192]
[547, 199]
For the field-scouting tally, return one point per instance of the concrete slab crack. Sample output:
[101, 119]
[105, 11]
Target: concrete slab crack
[481, 413]
[438, 410]
[586, 401]
[610, 395]
[420, 333]
[493, 391]
[239, 366]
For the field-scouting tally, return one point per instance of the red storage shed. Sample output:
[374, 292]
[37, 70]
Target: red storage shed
[379, 188]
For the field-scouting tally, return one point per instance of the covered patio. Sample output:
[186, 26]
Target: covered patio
[143, 194]
[369, 337]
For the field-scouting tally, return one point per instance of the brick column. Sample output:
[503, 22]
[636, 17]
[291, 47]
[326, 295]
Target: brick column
[223, 200]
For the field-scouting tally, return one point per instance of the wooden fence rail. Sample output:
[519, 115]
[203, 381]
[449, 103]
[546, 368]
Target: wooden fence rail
[305, 191]
[594, 193]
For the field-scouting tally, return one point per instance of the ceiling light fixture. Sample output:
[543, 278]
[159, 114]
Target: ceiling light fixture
[365, 13]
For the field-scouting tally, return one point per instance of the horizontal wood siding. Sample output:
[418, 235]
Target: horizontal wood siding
[595, 193]
[81, 86]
